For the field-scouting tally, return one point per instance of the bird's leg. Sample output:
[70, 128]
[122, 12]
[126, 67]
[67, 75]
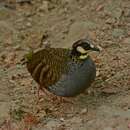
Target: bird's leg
[64, 99]
[40, 91]
[53, 98]
[38, 94]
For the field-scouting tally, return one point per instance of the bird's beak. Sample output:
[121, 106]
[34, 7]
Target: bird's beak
[95, 49]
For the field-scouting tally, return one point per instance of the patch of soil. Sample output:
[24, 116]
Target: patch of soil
[30, 24]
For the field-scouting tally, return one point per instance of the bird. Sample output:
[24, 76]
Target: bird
[64, 72]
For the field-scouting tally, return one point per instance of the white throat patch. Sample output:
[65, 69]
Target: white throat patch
[82, 57]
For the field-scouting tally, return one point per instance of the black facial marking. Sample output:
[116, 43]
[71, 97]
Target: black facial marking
[81, 43]
[85, 44]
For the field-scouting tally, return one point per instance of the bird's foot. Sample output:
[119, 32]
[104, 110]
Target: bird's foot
[43, 93]
[60, 99]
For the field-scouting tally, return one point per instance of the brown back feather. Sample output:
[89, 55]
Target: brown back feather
[47, 65]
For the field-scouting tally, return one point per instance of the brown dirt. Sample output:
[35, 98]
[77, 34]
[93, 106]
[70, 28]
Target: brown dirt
[106, 105]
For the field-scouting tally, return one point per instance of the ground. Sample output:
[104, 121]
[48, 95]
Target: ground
[30, 24]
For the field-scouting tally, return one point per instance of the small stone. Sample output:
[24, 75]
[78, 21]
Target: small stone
[129, 125]
[128, 24]
[128, 33]
[17, 47]
[76, 120]
[44, 7]
[62, 119]
[126, 40]
[97, 73]
[118, 33]
[117, 13]
[52, 123]
[10, 58]
[83, 111]
[99, 8]
[29, 24]
[110, 21]
[28, 14]
[127, 13]
[109, 91]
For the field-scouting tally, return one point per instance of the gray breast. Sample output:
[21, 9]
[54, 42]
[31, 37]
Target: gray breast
[79, 78]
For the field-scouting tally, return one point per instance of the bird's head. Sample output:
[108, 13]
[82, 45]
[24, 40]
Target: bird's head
[82, 47]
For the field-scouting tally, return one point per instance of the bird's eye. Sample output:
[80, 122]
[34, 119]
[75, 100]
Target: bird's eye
[86, 45]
